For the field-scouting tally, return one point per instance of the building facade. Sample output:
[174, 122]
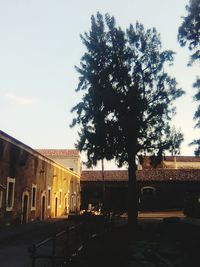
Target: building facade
[32, 186]
[171, 162]
[158, 189]
[69, 158]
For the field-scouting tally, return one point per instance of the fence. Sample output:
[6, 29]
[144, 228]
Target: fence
[63, 246]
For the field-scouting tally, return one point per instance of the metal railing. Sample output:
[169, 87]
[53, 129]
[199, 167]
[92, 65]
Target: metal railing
[63, 246]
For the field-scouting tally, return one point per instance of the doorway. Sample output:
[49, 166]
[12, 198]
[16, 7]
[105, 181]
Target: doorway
[56, 207]
[66, 205]
[43, 208]
[73, 203]
[25, 205]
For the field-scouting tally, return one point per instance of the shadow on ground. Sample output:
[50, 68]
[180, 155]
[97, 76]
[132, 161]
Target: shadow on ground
[171, 242]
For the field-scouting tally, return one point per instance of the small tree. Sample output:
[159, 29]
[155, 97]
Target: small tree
[128, 97]
[189, 34]
[176, 138]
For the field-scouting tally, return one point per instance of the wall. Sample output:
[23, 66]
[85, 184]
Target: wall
[168, 195]
[68, 158]
[157, 188]
[71, 163]
[172, 162]
[27, 169]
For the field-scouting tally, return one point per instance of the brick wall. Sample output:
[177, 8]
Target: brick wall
[26, 168]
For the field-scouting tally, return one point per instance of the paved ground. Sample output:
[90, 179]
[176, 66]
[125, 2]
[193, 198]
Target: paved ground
[15, 241]
[172, 242]
[161, 214]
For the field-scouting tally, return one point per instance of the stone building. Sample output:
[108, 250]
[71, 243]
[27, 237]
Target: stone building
[160, 188]
[33, 186]
[172, 162]
[69, 158]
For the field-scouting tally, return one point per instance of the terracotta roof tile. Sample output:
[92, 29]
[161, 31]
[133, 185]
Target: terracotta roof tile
[183, 158]
[108, 175]
[58, 152]
[169, 175]
[144, 175]
[179, 158]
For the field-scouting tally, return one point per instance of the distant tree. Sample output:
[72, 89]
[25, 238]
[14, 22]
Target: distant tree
[189, 31]
[174, 144]
[128, 97]
[196, 142]
[189, 34]
[176, 138]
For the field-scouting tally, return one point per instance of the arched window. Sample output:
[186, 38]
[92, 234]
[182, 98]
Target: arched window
[148, 190]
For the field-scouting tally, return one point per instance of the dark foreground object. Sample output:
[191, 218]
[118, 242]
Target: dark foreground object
[108, 249]
[168, 243]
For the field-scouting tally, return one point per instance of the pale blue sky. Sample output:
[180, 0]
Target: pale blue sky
[39, 46]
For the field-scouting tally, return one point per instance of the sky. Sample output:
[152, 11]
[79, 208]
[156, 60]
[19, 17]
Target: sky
[40, 45]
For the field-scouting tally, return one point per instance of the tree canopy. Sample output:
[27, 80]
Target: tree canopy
[196, 142]
[189, 35]
[128, 96]
[189, 31]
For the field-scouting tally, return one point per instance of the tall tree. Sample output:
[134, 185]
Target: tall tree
[128, 96]
[189, 35]
[196, 142]
[189, 31]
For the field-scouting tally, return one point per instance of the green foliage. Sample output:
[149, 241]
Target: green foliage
[128, 96]
[197, 98]
[176, 138]
[174, 143]
[189, 33]
[196, 142]
[197, 117]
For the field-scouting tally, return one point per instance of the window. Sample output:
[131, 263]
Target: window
[72, 185]
[10, 193]
[49, 197]
[77, 187]
[148, 190]
[60, 198]
[71, 169]
[33, 197]
[66, 201]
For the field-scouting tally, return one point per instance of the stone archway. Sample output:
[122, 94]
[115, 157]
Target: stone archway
[43, 207]
[56, 207]
[148, 200]
[148, 190]
[25, 207]
[66, 204]
[73, 203]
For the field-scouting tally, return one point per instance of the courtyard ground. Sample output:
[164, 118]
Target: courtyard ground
[162, 240]
[16, 240]
[158, 243]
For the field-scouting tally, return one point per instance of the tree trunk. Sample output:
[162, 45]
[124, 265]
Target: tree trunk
[132, 193]
[104, 208]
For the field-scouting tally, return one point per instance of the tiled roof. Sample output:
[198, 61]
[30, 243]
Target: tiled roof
[178, 158]
[182, 158]
[144, 175]
[36, 153]
[58, 152]
[169, 175]
[118, 175]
